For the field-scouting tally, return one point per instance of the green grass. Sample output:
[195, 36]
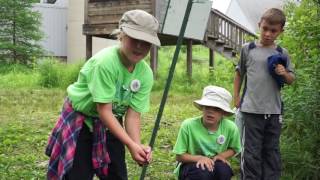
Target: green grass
[29, 109]
[28, 117]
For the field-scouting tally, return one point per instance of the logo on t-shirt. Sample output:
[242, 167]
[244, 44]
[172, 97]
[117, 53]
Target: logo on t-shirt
[221, 139]
[135, 85]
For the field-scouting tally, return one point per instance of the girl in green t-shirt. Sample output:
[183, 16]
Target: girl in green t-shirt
[113, 85]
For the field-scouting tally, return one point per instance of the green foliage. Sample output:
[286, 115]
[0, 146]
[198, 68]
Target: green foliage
[27, 116]
[221, 75]
[19, 32]
[300, 140]
[56, 74]
[48, 73]
[17, 76]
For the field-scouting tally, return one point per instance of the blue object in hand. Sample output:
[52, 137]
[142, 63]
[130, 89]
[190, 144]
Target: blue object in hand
[273, 61]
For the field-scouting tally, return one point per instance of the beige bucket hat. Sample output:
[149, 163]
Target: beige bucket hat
[215, 96]
[141, 25]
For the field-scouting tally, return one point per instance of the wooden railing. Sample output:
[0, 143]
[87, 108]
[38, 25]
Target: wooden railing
[226, 31]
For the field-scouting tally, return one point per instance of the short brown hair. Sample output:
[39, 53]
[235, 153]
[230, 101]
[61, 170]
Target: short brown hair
[274, 16]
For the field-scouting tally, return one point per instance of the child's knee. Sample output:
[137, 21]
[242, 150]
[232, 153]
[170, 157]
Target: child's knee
[190, 171]
[222, 170]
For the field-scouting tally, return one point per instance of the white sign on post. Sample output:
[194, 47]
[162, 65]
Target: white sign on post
[197, 22]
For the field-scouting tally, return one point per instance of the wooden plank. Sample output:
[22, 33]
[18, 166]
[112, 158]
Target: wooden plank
[103, 19]
[99, 29]
[211, 58]
[154, 60]
[88, 47]
[86, 11]
[118, 10]
[189, 58]
[153, 8]
[116, 3]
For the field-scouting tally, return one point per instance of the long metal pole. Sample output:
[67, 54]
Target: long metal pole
[169, 79]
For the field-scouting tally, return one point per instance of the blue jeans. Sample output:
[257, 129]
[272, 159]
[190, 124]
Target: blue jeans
[221, 171]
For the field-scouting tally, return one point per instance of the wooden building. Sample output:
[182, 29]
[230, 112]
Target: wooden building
[222, 33]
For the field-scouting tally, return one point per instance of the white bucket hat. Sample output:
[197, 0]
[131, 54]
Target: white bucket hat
[215, 96]
[141, 25]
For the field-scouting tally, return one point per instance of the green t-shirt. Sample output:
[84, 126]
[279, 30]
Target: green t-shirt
[104, 79]
[195, 139]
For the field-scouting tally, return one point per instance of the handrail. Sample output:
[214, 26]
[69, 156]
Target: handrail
[231, 21]
[226, 31]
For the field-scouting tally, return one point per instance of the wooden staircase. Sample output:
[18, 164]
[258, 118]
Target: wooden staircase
[225, 35]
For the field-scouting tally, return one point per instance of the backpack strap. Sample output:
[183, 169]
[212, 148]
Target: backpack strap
[252, 45]
[279, 49]
[243, 78]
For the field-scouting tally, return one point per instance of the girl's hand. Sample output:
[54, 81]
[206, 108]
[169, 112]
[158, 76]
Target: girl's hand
[148, 151]
[138, 154]
[204, 163]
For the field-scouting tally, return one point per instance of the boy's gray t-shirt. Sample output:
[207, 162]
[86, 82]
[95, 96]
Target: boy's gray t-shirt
[262, 95]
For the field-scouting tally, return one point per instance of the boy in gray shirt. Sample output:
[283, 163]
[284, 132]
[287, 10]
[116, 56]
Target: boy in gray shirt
[260, 103]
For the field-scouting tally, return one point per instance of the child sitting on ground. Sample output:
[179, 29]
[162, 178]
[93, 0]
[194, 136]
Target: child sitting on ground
[205, 143]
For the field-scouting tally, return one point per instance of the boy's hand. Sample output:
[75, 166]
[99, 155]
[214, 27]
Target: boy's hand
[204, 163]
[215, 158]
[237, 101]
[280, 70]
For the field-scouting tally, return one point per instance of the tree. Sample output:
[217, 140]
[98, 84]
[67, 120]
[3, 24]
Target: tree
[19, 32]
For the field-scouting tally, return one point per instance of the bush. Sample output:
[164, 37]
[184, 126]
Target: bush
[300, 140]
[222, 75]
[55, 74]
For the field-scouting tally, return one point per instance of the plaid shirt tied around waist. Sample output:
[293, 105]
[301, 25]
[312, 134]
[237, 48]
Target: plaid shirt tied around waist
[63, 140]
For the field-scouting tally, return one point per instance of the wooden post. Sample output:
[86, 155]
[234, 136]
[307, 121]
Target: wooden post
[88, 46]
[189, 58]
[211, 58]
[154, 60]
[153, 8]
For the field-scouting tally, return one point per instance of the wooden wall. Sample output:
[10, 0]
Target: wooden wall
[102, 17]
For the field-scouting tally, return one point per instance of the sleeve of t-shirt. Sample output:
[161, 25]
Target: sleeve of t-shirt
[140, 101]
[241, 66]
[102, 85]
[289, 64]
[181, 145]
[235, 143]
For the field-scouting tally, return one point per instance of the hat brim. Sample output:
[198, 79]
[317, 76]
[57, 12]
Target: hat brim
[136, 34]
[200, 103]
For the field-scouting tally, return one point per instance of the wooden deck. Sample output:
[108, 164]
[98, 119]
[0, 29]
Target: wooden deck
[223, 34]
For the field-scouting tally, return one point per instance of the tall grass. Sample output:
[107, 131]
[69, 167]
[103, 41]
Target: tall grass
[50, 73]
[47, 73]
[56, 74]
[17, 76]
[221, 75]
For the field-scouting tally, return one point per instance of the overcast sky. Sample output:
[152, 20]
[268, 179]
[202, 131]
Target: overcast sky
[221, 5]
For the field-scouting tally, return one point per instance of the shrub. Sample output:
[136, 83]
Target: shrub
[55, 74]
[300, 140]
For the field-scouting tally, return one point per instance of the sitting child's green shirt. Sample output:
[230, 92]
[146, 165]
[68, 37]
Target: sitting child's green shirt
[195, 139]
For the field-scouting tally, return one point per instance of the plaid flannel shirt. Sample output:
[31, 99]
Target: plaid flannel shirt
[62, 144]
